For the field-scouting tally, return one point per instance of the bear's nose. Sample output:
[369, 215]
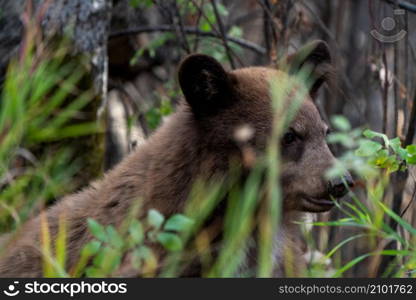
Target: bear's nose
[337, 187]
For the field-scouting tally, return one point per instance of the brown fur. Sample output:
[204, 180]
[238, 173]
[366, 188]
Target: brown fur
[196, 141]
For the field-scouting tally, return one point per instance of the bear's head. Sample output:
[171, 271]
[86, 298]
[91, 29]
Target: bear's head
[223, 102]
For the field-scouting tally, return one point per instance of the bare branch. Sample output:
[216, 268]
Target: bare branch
[412, 125]
[198, 20]
[270, 30]
[189, 30]
[223, 34]
[320, 23]
[214, 28]
[178, 23]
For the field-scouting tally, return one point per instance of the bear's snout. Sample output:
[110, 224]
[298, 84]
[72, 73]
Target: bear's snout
[338, 187]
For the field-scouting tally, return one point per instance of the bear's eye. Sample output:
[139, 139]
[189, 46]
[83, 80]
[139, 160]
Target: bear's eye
[328, 132]
[289, 138]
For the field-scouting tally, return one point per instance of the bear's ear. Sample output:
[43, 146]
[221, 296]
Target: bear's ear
[205, 84]
[314, 58]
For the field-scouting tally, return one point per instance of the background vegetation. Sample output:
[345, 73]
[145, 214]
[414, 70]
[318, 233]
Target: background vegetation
[76, 97]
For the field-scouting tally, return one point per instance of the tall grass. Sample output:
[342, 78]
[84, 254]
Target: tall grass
[35, 111]
[40, 111]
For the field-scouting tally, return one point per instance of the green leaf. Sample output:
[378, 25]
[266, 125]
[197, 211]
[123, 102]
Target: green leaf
[107, 259]
[380, 159]
[341, 123]
[165, 108]
[235, 31]
[136, 232]
[155, 218]
[101, 256]
[398, 219]
[97, 230]
[153, 118]
[393, 164]
[396, 145]
[342, 243]
[170, 241]
[91, 248]
[179, 223]
[395, 252]
[371, 134]
[205, 26]
[368, 148]
[411, 149]
[350, 264]
[139, 255]
[136, 259]
[144, 252]
[222, 10]
[93, 272]
[134, 3]
[115, 239]
[342, 138]
[411, 154]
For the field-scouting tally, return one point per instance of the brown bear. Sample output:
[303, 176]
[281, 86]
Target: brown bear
[198, 141]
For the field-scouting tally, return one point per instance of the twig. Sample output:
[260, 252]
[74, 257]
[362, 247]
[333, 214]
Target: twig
[407, 70]
[189, 30]
[396, 97]
[320, 23]
[410, 203]
[214, 28]
[198, 20]
[385, 89]
[412, 124]
[223, 34]
[177, 20]
[269, 30]
[411, 130]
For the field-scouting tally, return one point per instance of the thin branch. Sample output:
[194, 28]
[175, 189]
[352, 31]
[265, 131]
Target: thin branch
[412, 124]
[223, 33]
[411, 201]
[320, 23]
[396, 97]
[178, 23]
[407, 70]
[198, 20]
[189, 30]
[411, 131]
[269, 30]
[214, 28]
[385, 91]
